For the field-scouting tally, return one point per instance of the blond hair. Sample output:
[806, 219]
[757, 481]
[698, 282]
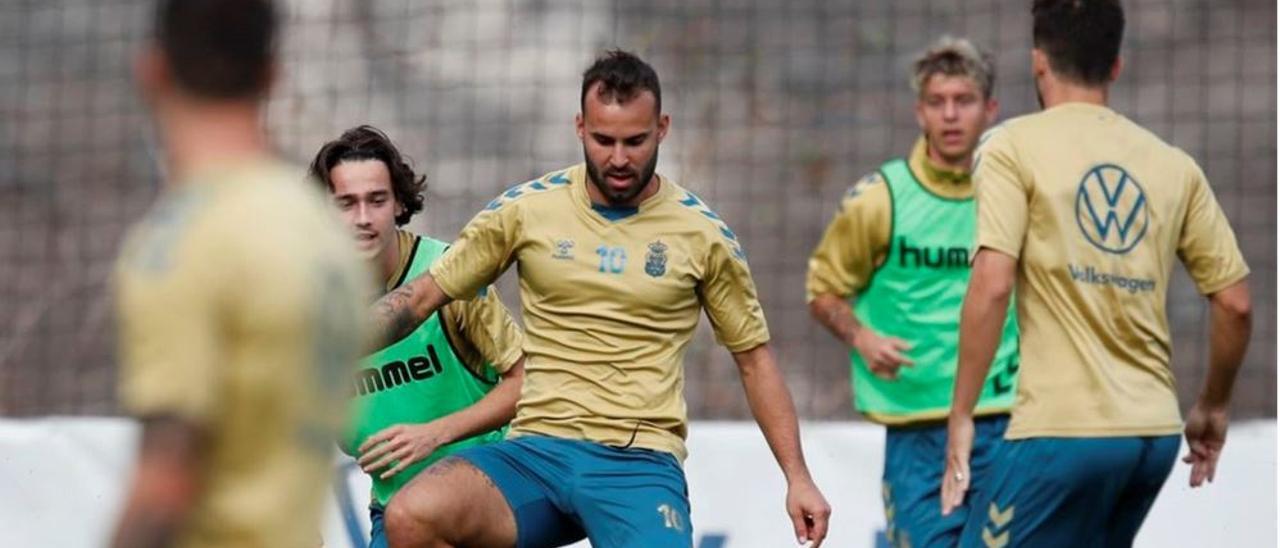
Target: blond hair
[952, 56]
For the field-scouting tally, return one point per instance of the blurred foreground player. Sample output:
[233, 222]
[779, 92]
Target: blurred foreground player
[240, 302]
[1085, 212]
[616, 263]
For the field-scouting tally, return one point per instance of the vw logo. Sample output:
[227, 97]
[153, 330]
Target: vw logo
[1111, 209]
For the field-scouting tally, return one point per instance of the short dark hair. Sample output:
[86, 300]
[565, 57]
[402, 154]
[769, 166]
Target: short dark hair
[622, 76]
[219, 49]
[1080, 37]
[369, 143]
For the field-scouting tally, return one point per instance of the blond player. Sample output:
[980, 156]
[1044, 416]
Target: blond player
[898, 249]
[240, 302]
[1085, 212]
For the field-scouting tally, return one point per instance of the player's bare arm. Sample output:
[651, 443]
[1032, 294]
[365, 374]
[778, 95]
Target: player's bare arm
[835, 314]
[165, 484]
[883, 354]
[854, 244]
[985, 305]
[405, 444]
[400, 312]
[1230, 324]
[771, 405]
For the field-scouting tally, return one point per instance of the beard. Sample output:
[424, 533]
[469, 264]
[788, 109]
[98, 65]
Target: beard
[624, 197]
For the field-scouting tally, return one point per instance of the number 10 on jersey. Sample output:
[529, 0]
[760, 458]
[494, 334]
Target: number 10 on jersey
[612, 259]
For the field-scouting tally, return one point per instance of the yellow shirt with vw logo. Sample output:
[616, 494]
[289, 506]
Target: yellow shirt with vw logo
[1096, 209]
[611, 298]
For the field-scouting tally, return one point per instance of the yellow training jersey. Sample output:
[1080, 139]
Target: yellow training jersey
[480, 330]
[856, 242]
[1096, 209]
[241, 303]
[611, 298]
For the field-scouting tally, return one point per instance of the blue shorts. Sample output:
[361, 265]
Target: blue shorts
[1070, 491]
[377, 530]
[562, 490]
[914, 461]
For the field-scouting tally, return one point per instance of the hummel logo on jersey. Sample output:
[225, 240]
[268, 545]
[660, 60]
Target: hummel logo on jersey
[396, 373]
[564, 250]
[935, 257]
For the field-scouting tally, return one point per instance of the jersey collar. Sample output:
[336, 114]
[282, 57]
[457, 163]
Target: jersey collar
[948, 183]
[407, 248]
[611, 214]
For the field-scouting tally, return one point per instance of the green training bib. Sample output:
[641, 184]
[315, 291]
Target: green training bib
[916, 296]
[415, 380]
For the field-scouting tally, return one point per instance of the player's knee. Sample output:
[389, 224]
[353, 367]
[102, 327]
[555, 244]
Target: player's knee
[414, 520]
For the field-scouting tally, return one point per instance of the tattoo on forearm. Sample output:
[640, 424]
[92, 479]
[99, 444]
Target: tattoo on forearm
[393, 316]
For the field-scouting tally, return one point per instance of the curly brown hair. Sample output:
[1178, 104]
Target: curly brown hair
[369, 143]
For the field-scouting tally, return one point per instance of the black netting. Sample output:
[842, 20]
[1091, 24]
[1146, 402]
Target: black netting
[777, 105]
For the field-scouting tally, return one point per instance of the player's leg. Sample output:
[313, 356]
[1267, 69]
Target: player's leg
[631, 498]
[1052, 492]
[451, 503]
[891, 481]
[913, 466]
[502, 494]
[1159, 454]
[915, 459]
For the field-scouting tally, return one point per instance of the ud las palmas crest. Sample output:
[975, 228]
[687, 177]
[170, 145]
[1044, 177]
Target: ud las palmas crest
[655, 261]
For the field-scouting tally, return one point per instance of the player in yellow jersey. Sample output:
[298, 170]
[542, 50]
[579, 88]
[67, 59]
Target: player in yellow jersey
[615, 264]
[240, 302]
[898, 249]
[1085, 212]
[437, 390]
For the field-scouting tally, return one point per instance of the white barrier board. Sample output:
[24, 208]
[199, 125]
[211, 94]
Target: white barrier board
[61, 482]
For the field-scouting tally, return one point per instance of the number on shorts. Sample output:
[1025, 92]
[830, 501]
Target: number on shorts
[670, 517]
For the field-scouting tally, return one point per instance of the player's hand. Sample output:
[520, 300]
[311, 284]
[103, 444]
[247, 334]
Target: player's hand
[882, 354]
[809, 512]
[955, 480]
[402, 444]
[1206, 433]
